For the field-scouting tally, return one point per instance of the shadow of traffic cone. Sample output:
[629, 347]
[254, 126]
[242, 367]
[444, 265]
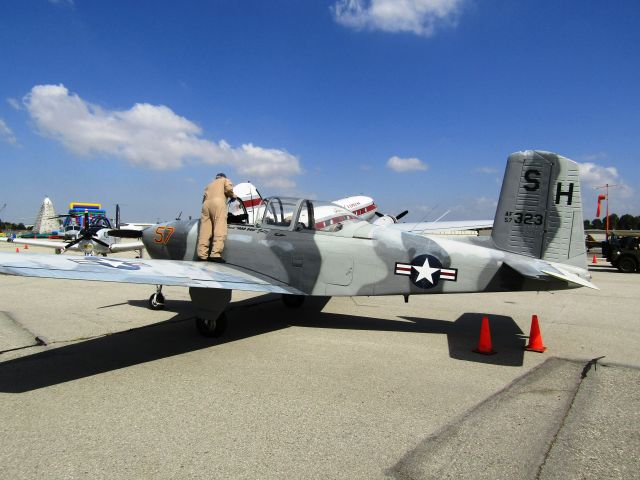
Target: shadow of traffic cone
[535, 338]
[484, 342]
[595, 260]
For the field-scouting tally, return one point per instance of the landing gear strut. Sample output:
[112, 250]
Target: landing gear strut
[156, 300]
[210, 303]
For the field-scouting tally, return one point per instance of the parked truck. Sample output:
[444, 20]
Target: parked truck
[623, 253]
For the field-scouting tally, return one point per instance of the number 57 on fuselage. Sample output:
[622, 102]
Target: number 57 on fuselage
[301, 247]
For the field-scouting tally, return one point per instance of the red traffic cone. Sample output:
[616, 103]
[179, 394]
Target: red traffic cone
[26, 247]
[17, 250]
[595, 260]
[535, 338]
[484, 342]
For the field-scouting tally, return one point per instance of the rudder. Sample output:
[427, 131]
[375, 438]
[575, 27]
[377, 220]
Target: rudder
[540, 210]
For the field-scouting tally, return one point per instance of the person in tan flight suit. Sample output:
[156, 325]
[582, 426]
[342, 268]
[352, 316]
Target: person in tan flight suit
[214, 218]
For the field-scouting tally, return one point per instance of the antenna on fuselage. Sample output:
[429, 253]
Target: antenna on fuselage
[442, 216]
[423, 219]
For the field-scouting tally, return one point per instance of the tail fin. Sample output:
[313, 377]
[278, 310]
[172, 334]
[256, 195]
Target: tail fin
[540, 211]
[250, 197]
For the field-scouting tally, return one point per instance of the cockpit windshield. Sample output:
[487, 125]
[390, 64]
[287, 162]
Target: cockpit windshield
[280, 211]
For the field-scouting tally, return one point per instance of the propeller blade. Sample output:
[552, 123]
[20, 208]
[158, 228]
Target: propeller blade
[100, 242]
[86, 234]
[117, 216]
[73, 242]
[401, 214]
[379, 214]
[125, 233]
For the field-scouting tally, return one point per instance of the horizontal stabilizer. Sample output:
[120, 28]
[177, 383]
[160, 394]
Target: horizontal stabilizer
[569, 277]
[539, 270]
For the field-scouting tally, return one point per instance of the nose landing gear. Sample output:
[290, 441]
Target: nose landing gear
[156, 300]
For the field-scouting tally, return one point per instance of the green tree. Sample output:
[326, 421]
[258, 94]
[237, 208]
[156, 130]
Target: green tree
[628, 222]
[597, 224]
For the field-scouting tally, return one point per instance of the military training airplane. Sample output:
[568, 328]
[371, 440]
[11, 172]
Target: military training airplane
[96, 237]
[302, 247]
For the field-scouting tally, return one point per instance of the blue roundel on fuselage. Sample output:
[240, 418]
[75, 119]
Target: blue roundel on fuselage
[425, 271]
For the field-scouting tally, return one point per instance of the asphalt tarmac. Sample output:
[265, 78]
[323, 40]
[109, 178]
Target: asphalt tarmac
[93, 384]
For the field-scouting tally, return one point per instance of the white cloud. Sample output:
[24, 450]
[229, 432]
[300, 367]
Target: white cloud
[14, 103]
[271, 165]
[486, 170]
[6, 135]
[594, 175]
[150, 136]
[593, 157]
[421, 17]
[480, 207]
[401, 165]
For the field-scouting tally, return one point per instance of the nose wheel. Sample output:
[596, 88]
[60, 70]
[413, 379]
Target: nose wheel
[156, 300]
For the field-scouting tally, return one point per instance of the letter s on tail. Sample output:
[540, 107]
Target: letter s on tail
[540, 211]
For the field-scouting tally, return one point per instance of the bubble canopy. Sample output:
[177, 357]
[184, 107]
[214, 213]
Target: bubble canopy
[304, 214]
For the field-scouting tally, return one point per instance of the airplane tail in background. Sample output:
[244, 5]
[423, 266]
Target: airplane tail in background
[250, 197]
[540, 211]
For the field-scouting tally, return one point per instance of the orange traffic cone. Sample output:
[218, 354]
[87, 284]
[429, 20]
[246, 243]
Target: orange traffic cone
[595, 260]
[17, 250]
[484, 342]
[535, 338]
[26, 247]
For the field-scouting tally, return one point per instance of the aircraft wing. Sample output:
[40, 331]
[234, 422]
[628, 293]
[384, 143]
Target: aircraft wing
[125, 246]
[37, 242]
[153, 272]
[430, 227]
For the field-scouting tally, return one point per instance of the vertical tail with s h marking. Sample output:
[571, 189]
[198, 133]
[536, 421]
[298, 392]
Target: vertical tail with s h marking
[540, 210]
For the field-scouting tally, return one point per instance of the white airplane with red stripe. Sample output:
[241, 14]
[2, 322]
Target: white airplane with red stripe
[361, 206]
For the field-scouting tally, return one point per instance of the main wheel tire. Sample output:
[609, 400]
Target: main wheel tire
[212, 328]
[293, 301]
[626, 265]
[156, 301]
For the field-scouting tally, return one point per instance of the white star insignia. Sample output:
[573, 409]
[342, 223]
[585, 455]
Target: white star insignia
[425, 271]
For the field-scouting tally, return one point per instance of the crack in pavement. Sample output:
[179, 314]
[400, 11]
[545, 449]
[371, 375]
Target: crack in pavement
[583, 375]
[507, 435]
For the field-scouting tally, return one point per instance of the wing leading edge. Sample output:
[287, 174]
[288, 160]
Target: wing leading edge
[153, 272]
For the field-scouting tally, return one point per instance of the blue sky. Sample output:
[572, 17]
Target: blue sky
[414, 102]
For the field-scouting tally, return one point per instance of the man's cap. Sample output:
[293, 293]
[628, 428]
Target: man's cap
[221, 175]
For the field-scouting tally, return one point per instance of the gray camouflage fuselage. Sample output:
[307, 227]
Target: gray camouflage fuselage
[360, 259]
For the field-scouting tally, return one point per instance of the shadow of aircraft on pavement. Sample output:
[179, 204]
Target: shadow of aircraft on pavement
[178, 336]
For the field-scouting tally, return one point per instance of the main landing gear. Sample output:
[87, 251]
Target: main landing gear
[156, 300]
[210, 303]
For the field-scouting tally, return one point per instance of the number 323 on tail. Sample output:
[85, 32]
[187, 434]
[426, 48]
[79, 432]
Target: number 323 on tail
[524, 218]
